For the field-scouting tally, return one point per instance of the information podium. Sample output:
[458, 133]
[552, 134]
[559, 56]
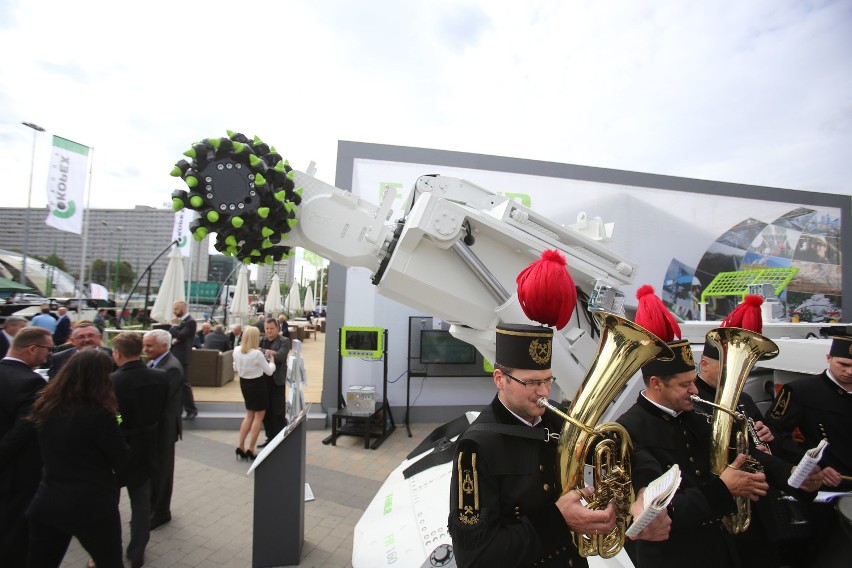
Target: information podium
[279, 498]
[379, 424]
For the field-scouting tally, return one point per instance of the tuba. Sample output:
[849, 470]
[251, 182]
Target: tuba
[739, 349]
[624, 348]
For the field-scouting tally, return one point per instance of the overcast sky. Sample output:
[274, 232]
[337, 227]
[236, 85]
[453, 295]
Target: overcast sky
[756, 92]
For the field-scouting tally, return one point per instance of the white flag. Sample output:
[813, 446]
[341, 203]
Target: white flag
[66, 183]
[180, 231]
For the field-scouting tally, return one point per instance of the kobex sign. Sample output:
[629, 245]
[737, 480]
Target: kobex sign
[66, 182]
[180, 230]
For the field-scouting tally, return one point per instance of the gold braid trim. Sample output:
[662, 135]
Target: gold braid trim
[468, 478]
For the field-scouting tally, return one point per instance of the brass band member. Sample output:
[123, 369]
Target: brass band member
[665, 430]
[821, 407]
[506, 503]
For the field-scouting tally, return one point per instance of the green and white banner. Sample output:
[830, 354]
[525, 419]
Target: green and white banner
[66, 182]
[180, 231]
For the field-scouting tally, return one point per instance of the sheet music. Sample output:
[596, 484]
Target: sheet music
[807, 464]
[657, 497]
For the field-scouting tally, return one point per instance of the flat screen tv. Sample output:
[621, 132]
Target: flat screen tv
[438, 347]
[363, 342]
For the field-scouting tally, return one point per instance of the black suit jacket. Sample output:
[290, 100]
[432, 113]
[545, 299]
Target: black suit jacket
[4, 345]
[20, 461]
[217, 340]
[62, 331]
[141, 393]
[281, 346]
[58, 359]
[171, 427]
[184, 338]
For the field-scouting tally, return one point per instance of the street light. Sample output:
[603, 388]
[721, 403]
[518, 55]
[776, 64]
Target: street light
[23, 273]
[106, 280]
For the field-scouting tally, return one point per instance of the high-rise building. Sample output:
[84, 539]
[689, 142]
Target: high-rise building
[135, 236]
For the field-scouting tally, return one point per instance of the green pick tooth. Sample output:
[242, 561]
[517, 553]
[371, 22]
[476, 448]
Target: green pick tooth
[259, 179]
[298, 191]
[257, 140]
[268, 259]
[232, 250]
[177, 204]
[215, 142]
[279, 167]
[231, 240]
[272, 150]
[290, 175]
[263, 212]
[212, 216]
[230, 133]
[292, 222]
[255, 252]
[190, 153]
[247, 260]
[281, 195]
[237, 222]
[196, 201]
[254, 161]
[266, 244]
[286, 162]
[200, 233]
[176, 172]
[191, 181]
[239, 147]
[266, 231]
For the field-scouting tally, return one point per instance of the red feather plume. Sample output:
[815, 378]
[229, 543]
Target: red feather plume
[747, 315]
[654, 316]
[546, 291]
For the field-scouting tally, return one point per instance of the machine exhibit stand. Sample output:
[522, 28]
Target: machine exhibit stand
[279, 498]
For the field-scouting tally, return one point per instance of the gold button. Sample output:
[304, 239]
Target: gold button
[546, 487]
[541, 467]
[517, 508]
[687, 444]
[698, 472]
[691, 460]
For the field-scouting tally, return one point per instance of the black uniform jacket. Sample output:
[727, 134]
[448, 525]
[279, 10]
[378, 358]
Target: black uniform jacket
[502, 498]
[819, 409]
[660, 441]
[141, 393]
[171, 426]
[184, 337]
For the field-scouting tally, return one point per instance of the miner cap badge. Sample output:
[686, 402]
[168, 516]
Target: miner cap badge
[521, 346]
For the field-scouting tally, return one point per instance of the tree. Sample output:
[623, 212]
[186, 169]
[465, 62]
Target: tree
[125, 275]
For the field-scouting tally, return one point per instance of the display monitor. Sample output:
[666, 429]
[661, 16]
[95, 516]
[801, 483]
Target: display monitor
[363, 342]
[438, 347]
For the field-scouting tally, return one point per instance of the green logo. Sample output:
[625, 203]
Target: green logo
[67, 212]
[182, 242]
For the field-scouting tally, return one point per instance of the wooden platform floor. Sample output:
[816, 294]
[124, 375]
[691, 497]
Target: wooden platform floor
[313, 352]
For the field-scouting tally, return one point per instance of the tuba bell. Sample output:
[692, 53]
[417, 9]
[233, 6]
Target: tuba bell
[739, 350]
[624, 348]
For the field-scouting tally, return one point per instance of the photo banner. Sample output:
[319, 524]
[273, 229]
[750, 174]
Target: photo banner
[66, 182]
[180, 231]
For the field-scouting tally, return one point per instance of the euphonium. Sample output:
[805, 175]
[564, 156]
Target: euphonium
[624, 348]
[739, 349]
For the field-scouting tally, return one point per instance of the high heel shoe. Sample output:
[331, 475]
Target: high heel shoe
[241, 455]
[250, 455]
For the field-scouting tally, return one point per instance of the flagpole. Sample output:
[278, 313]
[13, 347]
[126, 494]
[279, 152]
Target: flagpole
[86, 213]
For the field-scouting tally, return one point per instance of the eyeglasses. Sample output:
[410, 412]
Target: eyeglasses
[48, 347]
[532, 384]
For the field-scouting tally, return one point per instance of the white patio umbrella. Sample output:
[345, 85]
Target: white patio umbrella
[240, 303]
[273, 296]
[171, 290]
[294, 301]
[309, 300]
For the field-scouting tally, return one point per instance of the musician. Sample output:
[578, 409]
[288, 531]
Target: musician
[759, 545]
[821, 408]
[505, 503]
[666, 431]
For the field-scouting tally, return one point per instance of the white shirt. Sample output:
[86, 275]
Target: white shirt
[252, 365]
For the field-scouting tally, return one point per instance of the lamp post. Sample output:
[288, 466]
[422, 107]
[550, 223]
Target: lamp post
[23, 273]
[112, 230]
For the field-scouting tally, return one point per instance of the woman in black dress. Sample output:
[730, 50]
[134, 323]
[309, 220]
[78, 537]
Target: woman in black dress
[251, 364]
[81, 447]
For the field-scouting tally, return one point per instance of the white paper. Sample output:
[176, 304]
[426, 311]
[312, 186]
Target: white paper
[657, 497]
[807, 464]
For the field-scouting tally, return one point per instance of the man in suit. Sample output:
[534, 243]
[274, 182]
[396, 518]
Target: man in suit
[183, 336]
[234, 335]
[217, 339]
[11, 326]
[201, 336]
[284, 326]
[84, 335]
[156, 344]
[277, 347]
[141, 394]
[20, 460]
[63, 327]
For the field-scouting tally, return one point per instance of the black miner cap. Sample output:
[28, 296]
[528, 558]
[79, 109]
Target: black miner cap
[682, 362]
[841, 346]
[521, 346]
